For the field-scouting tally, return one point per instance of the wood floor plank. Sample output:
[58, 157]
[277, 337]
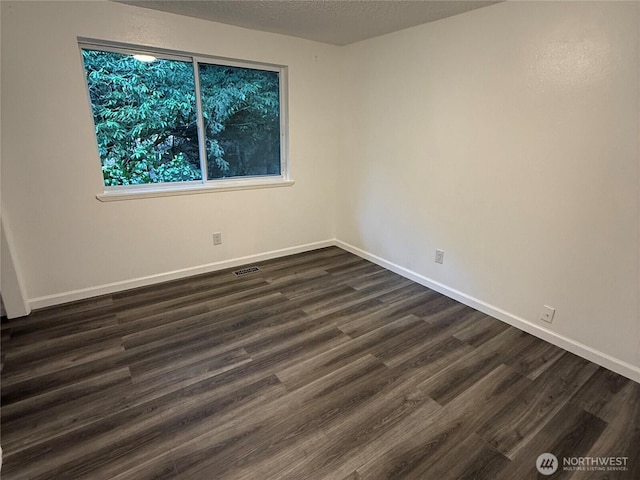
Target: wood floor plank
[391, 311]
[54, 316]
[570, 432]
[373, 342]
[620, 438]
[40, 417]
[23, 354]
[411, 290]
[320, 365]
[603, 394]
[324, 401]
[519, 422]
[129, 432]
[368, 279]
[229, 296]
[439, 332]
[460, 375]
[411, 456]
[356, 297]
[481, 328]
[61, 361]
[181, 423]
[534, 358]
[194, 358]
[34, 334]
[470, 459]
[380, 414]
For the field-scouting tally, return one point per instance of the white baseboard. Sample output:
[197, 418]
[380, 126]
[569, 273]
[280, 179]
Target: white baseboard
[73, 295]
[584, 351]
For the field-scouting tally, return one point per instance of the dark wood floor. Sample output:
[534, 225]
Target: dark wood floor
[320, 366]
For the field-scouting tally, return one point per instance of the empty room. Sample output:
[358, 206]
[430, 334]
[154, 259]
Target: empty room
[336, 240]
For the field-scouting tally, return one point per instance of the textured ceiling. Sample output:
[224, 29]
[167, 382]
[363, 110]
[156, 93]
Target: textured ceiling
[338, 22]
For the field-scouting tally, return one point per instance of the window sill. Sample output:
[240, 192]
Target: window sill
[133, 193]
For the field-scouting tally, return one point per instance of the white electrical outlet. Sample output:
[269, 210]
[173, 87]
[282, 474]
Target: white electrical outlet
[217, 238]
[439, 256]
[547, 314]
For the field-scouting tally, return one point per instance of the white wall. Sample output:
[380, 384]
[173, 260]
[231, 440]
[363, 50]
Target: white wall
[507, 136]
[68, 240]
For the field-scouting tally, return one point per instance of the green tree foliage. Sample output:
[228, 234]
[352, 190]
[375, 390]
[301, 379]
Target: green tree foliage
[241, 112]
[146, 119]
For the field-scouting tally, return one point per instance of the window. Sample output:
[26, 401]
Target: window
[167, 122]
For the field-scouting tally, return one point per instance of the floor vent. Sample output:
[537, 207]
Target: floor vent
[246, 271]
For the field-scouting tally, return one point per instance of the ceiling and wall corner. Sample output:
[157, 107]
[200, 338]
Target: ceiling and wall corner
[337, 22]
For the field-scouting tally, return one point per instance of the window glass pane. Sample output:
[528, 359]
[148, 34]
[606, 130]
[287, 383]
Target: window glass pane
[145, 118]
[241, 110]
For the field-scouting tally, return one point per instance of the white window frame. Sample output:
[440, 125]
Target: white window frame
[126, 192]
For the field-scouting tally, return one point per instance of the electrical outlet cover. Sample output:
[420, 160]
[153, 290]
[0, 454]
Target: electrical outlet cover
[547, 314]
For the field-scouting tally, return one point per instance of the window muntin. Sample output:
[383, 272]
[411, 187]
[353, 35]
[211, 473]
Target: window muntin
[149, 127]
